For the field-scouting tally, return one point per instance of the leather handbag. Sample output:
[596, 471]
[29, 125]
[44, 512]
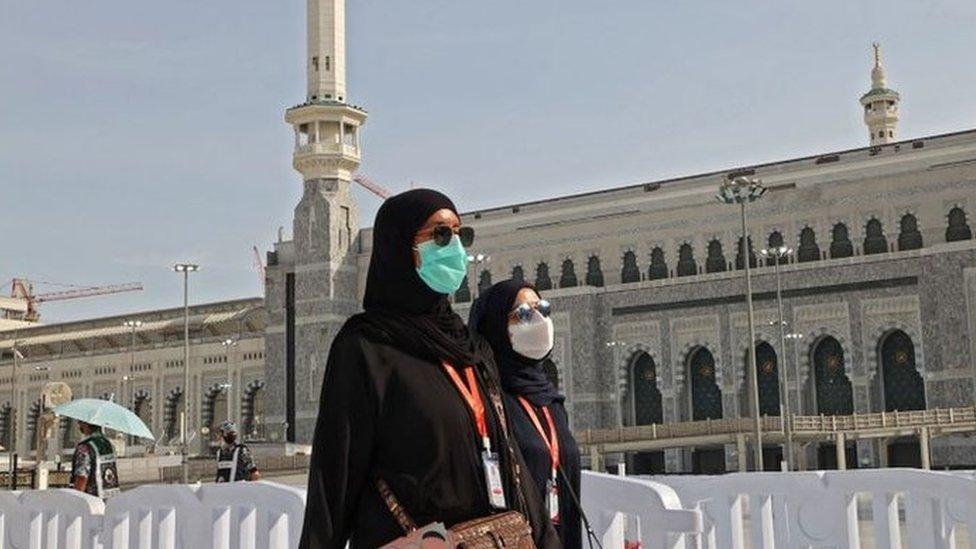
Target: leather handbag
[502, 530]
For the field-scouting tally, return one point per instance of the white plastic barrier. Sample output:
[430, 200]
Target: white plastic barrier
[820, 508]
[254, 515]
[612, 501]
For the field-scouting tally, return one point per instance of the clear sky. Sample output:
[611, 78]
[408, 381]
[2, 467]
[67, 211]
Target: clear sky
[136, 134]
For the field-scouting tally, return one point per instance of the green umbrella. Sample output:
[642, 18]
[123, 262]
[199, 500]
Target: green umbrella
[106, 414]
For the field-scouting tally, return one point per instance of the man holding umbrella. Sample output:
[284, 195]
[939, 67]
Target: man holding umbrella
[93, 467]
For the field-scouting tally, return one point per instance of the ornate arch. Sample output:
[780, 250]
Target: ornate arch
[814, 337]
[722, 377]
[247, 405]
[877, 338]
[170, 414]
[210, 402]
[764, 334]
[626, 361]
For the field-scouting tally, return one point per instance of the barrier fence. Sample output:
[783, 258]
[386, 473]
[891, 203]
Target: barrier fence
[884, 508]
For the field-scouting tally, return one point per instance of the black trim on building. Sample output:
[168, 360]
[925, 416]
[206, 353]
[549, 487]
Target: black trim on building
[764, 296]
[290, 357]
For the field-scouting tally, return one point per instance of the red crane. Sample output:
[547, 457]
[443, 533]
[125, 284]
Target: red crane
[371, 186]
[23, 301]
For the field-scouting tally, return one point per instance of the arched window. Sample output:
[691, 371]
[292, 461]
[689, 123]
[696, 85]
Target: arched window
[774, 242]
[658, 268]
[517, 274]
[706, 396]
[567, 278]
[715, 261]
[739, 263]
[647, 398]
[686, 261]
[874, 239]
[808, 250]
[840, 242]
[484, 281]
[904, 388]
[630, 272]
[594, 275]
[463, 294]
[542, 280]
[909, 237]
[835, 396]
[171, 413]
[767, 373]
[958, 228]
[252, 409]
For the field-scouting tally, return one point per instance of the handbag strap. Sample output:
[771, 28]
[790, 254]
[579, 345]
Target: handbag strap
[397, 510]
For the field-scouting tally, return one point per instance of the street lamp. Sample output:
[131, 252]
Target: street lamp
[185, 269]
[132, 325]
[475, 260]
[12, 451]
[795, 337]
[742, 191]
[778, 255]
[227, 344]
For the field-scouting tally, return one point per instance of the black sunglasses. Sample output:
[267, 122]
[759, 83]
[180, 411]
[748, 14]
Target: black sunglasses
[523, 313]
[442, 235]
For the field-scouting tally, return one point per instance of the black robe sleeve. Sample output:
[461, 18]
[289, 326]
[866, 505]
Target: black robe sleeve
[341, 448]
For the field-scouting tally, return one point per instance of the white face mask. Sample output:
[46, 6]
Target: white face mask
[532, 339]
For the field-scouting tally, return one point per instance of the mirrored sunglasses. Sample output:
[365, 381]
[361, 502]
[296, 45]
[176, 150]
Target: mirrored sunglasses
[442, 235]
[523, 313]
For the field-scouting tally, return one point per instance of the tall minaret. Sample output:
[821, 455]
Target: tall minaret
[880, 105]
[311, 285]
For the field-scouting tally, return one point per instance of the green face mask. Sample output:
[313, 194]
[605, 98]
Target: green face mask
[442, 268]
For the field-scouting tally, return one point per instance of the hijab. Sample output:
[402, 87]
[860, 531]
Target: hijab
[520, 375]
[400, 309]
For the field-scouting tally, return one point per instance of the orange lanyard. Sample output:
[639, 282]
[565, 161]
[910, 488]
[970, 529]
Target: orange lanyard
[472, 396]
[552, 442]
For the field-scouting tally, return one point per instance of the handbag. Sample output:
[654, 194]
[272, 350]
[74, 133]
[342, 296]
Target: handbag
[502, 530]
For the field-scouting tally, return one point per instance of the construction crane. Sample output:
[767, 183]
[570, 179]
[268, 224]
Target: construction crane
[259, 266]
[371, 186]
[22, 303]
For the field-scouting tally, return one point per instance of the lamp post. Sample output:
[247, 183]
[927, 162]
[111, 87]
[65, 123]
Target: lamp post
[227, 344]
[475, 260]
[741, 191]
[778, 255]
[185, 269]
[796, 337]
[12, 451]
[132, 325]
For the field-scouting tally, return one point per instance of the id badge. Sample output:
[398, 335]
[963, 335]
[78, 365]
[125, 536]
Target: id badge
[552, 501]
[493, 478]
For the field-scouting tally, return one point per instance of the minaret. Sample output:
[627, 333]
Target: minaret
[880, 105]
[311, 285]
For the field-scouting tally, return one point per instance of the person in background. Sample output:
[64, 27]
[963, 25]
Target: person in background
[234, 461]
[515, 321]
[406, 400]
[93, 468]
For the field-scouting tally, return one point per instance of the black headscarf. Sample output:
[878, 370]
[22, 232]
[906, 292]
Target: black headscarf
[400, 308]
[519, 375]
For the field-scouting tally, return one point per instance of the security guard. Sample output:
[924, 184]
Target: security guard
[93, 467]
[234, 461]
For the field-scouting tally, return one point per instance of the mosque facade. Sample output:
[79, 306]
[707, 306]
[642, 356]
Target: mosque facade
[878, 292]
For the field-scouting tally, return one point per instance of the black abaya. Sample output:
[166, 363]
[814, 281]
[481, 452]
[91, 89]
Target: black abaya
[389, 411]
[522, 376]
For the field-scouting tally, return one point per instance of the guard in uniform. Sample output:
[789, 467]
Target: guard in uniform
[234, 461]
[93, 467]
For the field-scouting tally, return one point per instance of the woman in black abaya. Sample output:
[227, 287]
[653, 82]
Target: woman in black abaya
[390, 409]
[515, 321]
